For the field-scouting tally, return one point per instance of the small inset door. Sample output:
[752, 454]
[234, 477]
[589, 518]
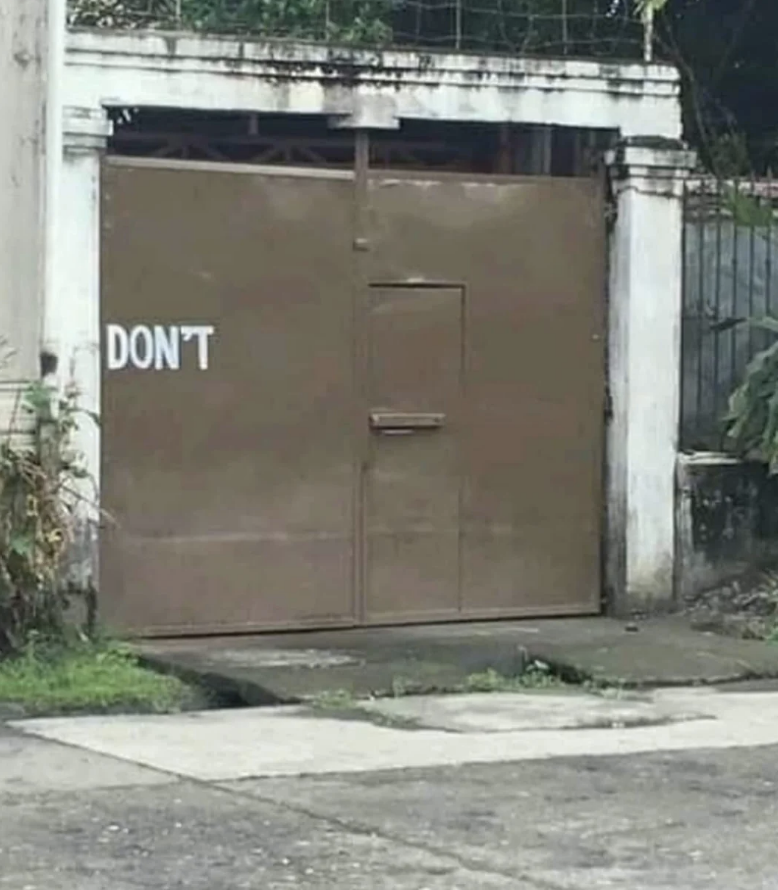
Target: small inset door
[412, 485]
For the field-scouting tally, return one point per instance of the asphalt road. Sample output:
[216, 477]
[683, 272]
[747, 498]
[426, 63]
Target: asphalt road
[75, 820]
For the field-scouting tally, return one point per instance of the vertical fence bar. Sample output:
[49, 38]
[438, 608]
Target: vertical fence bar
[700, 305]
[734, 204]
[688, 414]
[752, 218]
[565, 35]
[769, 246]
[648, 33]
[717, 302]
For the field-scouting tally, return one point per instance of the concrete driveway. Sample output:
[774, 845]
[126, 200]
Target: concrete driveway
[229, 799]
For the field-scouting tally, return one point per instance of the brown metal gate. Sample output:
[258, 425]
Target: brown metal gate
[333, 402]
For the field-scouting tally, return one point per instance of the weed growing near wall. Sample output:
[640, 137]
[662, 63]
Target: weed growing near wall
[39, 473]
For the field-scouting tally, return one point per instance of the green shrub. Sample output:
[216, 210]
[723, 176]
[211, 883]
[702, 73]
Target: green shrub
[38, 502]
[751, 424]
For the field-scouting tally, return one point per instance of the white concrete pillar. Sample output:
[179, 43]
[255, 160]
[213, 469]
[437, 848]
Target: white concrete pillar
[644, 359]
[25, 154]
[71, 343]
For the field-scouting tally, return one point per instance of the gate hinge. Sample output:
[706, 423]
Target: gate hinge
[608, 404]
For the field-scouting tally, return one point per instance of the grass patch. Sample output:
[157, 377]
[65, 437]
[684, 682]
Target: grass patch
[334, 700]
[90, 678]
[536, 677]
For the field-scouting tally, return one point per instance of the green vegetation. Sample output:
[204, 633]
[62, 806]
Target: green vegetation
[518, 26]
[536, 677]
[752, 421]
[334, 700]
[89, 677]
[39, 516]
[50, 661]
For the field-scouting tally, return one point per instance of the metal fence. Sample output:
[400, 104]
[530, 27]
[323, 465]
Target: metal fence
[730, 241]
[599, 28]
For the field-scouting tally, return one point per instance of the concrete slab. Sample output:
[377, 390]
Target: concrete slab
[511, 712]
[656, 652]
[283, 668]
[294, 740]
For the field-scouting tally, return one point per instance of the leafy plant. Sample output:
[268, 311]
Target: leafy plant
[752, 420]
[351, 22]
[124, 14]
[39, 471]
[745, 209]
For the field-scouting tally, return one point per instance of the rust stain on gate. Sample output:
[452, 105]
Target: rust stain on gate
[401, 416]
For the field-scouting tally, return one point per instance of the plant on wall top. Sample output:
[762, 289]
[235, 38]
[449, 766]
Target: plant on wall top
[573, 27]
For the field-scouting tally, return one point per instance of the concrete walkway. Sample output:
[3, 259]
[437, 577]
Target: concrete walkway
[420, 732]
[276, 668]
[423, 731]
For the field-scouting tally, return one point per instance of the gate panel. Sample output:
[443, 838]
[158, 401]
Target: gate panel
[531, 255]
[412, 481]
[231, 486]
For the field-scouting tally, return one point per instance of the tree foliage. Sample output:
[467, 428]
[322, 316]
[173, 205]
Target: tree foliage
[727, 52]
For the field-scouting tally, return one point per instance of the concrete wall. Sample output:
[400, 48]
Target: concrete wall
[25, 155]
[727, 522]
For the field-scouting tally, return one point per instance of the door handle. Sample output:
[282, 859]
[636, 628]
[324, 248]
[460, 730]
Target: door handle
[398, 423]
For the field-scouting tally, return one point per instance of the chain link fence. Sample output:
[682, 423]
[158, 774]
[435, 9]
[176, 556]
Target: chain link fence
[584, 28]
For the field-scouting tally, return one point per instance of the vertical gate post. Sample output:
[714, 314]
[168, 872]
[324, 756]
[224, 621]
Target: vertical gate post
[31, 40]
[646, 273]
[72, 312]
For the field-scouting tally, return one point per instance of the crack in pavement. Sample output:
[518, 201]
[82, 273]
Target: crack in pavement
[361, 828]
[353, 827]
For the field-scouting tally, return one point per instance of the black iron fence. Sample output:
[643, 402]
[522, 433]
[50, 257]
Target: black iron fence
[600, 28]
[730, 242]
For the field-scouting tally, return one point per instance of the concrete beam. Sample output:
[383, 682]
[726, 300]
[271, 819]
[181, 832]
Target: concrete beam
[209, 73]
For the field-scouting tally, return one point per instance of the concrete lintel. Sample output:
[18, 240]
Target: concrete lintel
[370, 113]
[191, 71]
[305, 57]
